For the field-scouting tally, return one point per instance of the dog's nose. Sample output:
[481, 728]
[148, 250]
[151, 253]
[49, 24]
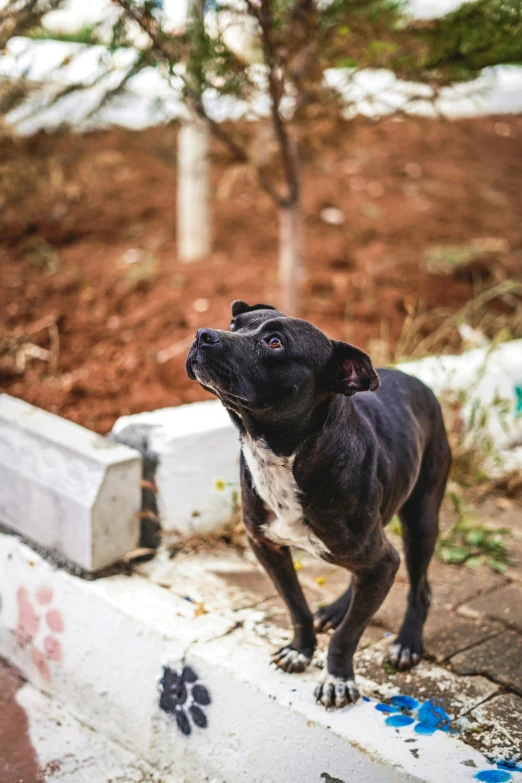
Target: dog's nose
[208, 337]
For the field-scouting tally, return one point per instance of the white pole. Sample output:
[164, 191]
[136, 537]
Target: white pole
[194, 215]
[194, 218]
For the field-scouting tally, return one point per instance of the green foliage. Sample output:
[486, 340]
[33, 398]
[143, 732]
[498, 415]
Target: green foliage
[471, 544]
[478, 34]
[85, 35]
[395, 526]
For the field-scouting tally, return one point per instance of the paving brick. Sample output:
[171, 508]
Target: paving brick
[390, 615]
[456, 694]
[504, 604]
[453, 585]
[501, 721]
[447, 634]
[499, 658]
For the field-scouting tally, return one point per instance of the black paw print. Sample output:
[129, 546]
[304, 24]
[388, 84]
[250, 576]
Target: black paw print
[182, 692]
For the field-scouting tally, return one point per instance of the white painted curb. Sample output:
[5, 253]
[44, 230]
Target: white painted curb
[101, 647]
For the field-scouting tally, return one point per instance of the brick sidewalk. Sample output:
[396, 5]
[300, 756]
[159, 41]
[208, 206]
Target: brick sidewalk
[473, 632]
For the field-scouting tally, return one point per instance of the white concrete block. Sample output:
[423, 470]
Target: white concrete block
[67, 488]
[198, 472]
[487, 384]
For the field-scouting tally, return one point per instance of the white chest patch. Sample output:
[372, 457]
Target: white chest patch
[275, 484]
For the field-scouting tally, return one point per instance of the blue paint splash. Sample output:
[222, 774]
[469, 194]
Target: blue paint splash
[433, 715]
[404, 710]
[509, 766]
[399, 720]
[492, 776]
[404, 703]
[365, 698]
[380, 707]
[425, 729]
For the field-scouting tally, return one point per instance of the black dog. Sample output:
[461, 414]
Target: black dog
[325, 471]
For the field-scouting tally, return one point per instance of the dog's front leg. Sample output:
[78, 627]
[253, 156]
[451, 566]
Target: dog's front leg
[370, 586]
[277, 561]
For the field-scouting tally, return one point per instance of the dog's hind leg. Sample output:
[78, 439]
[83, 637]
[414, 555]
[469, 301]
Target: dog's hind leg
[331, 616]
[420, 525]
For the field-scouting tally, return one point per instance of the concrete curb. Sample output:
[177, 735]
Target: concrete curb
[67, 488]
[130, 659]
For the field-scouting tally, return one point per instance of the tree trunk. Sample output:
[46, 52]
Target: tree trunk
[194, 213]
[290, 257]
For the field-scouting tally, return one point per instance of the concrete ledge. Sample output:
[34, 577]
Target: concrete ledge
[197, 448]
[67, 488]
[193, 691]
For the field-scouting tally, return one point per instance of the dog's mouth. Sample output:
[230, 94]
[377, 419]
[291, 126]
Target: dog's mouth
[217, 377]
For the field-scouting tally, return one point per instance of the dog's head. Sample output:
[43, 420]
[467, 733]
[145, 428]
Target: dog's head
[271, 363]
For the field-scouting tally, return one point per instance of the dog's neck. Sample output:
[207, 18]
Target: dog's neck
[284, 435]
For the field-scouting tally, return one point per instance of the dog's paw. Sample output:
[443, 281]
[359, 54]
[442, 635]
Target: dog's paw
[336, 692]
[328, 617]
[291, 660]
[404, 656]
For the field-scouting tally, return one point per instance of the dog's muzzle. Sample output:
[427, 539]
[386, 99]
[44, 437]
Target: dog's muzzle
[205, 340]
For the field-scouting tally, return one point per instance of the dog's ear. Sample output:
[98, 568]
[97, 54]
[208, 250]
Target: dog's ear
[239, 307]
[351, 370]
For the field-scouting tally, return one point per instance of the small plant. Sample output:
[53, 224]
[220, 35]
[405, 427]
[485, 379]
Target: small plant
[472, 445]
[395, 526]
[471, 544]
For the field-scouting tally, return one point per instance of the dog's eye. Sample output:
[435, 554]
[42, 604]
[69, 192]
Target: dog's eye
[274, 343]
[232, 325]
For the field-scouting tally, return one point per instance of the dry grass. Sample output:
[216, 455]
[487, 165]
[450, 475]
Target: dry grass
[436, 331]
[230, 534]
[493, 316]
[17, 347]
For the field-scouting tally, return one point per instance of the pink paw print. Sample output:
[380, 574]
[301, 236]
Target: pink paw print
[37, 625]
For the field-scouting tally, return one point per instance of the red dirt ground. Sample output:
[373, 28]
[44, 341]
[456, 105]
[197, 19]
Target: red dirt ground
[72, 206]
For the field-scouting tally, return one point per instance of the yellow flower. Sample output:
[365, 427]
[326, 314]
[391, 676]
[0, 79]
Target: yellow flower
[297, 565]
[321, 580]
[219, 485]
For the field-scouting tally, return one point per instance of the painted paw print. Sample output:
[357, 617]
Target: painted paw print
[182, 694]
[37, 626]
